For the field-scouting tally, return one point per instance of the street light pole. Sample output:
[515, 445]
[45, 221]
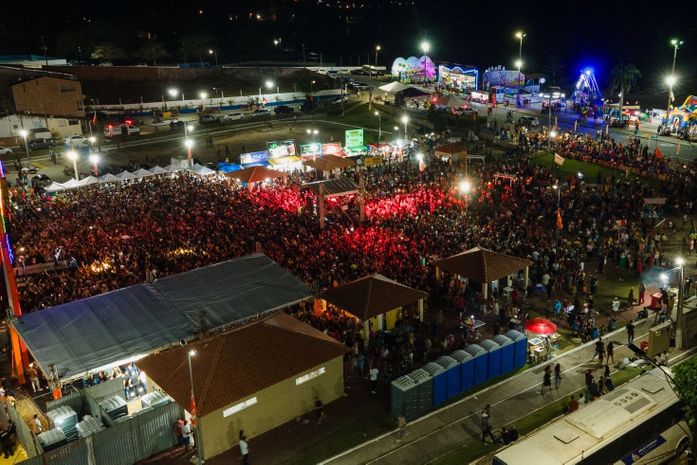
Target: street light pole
[72, 155]
[377, 113]
[189, 354]
[405, 120]
[670, 80]
[679, 324]
[94, 159]
[24, 133]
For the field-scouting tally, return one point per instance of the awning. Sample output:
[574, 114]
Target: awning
[482, 265]
[284, 160]
[133, 322]
[256, 174]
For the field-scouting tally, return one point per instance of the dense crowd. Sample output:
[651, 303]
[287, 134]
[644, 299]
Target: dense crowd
[117, 236]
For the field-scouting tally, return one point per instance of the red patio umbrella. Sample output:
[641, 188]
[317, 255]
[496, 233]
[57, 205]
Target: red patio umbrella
[541, 326]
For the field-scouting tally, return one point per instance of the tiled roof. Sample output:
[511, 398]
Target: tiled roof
[372, 295]
[234, 365]
[482, 265]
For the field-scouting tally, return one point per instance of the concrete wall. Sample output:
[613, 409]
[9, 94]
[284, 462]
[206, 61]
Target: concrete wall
[49, 96]
[275, 405]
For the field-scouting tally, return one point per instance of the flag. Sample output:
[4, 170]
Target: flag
[558, 159]
[658, 153]
[193, 410]
[94, 118]
[560, 223]
[422, 166]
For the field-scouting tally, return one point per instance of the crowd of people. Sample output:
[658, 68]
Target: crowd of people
[115, 236]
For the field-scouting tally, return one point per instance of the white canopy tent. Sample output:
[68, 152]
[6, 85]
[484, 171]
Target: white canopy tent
[124, 175]
[393, 87]
[158, 170]
[142, 173]
[109, 178]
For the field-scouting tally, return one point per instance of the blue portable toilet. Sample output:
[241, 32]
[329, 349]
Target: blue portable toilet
[466, 369]
[507, 352]
[480, 360]
[440, 382]
[452, 371]
[520, 341]
[424, 388]
[494, 357]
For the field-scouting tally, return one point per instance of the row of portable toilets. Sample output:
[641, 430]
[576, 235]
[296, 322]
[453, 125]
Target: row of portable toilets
[426, 388]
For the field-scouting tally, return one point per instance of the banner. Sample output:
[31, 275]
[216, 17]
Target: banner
[314, 149]
[281, 148]
[558, 159]
[354, 138]
[254, 157]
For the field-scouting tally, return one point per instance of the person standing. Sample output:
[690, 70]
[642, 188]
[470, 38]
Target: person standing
[642, 293]
[319, 411]
[557, 376]
[630, 332]
[610, 351]
[186, 434]
[374, 379]
[244, 449]
[486, 425]
[401, 427]
[547, 379]
[599, 350]
[36, 426]
[34, 378]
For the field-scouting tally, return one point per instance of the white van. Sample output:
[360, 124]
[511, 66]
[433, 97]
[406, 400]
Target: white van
[111, 130]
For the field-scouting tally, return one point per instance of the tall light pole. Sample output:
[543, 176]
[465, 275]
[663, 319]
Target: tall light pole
[425, 46]
[520, 35]
[377, 50]
[671, 80]
[24, 133]
[680, 323]
[405, 120]
[377, 113]
[188, 143]
[215, 55]
[190, 354]
[94, 159]
[72, 155]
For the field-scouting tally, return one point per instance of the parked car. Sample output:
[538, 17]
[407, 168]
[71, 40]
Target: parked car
[5, 151]
[175, 123]
[283, 110]
[75, 140]
[40, 143]
[208, 119]
[526, 120]
[234, 116]
[111, 130]
[261, 112]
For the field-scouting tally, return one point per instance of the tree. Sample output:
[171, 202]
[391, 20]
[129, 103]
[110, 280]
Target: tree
[108, 52]
[152, 50]
[685, 377]
[624, 78]
[197, 45]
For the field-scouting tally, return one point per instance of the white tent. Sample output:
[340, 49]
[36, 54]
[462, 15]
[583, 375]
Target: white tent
[88, 181]
[123, 175]
[172, 168]
[109, 178]
[142, 173]
[158, 170]
[393, 88]
[203, 170]
[72, 184]
[55, 187]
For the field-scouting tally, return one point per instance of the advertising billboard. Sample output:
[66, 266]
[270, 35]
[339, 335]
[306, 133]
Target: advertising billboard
[281, 148]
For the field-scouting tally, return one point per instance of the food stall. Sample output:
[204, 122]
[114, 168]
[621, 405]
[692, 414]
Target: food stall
[544, 339]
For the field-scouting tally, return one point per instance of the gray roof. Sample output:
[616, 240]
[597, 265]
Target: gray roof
[90, 333]
[330, 187]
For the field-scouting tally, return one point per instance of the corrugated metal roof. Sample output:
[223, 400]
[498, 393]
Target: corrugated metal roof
[482, 265]
[372, 295]
[333, 186]
[134, 321]
[330, 163]
[234, 365]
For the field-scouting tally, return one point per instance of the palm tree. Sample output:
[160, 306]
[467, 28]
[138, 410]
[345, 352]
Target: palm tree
[152, 50]
[624, 78]
[108, 52]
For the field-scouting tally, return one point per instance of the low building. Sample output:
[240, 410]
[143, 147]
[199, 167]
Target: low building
[252, 378]
[59, 127]
[32, 61]
[50, 96]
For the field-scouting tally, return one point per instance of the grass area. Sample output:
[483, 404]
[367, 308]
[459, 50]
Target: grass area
[614, 284]
[525, 425]
[572, 167]
[348, 433]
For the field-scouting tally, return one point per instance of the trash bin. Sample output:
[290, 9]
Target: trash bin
[466, 369]
[452, 371]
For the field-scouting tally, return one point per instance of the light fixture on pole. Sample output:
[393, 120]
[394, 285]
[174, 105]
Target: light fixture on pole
[377, 50]
[173, 92]
[189, 144]
[24, 133]
[312, 85]
[215, 55]
[425, 46]
[405, 120]
[520, 35]
[465, 187]
[72, 155]
[203, 95]
[552, 135]
[377, 113]
[194, 414]
[670, 82]
[680, 323]
[396, 128]
[94, 159]
[269, 84]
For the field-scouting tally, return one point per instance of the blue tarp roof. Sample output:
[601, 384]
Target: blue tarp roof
[90, 333]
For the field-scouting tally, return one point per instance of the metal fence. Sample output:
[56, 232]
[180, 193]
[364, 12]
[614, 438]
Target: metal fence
[24, 434]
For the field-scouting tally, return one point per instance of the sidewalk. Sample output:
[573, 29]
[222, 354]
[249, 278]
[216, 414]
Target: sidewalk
[457, 425]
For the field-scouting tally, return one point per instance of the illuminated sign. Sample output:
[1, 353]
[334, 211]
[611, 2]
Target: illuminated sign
[254, 157]
[332, 148]
[311, 149]
[238, 407]
[281, 148]
[354, 138]
[309, 376]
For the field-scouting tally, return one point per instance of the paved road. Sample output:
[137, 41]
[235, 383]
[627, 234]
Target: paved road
[458, 425]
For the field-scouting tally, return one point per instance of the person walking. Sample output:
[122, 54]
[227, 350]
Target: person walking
[319, 411]
[36, 426]
[401, 427]
[546, 379]
[630, 332]
[486, 425]
[599, 350]
[557, 376]
[244, 448]
[642, 293]
[610, 352]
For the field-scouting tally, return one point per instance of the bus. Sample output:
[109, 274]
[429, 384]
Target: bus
[639, 423]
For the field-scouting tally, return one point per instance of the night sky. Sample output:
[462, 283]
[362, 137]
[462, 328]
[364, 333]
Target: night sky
[564, 35]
